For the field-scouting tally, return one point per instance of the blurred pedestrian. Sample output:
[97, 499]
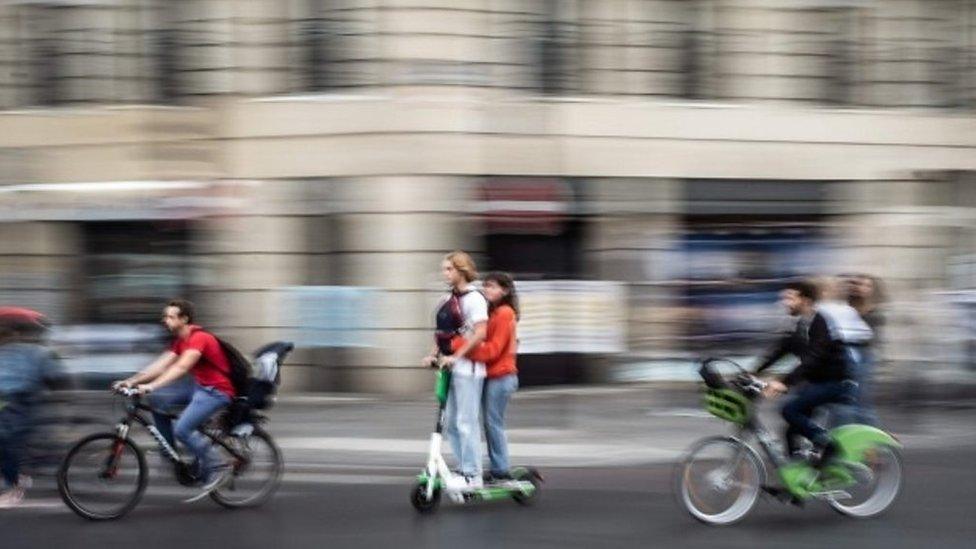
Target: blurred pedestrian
[498, 352]
[26, 369]
[463, 311]
[866, 295]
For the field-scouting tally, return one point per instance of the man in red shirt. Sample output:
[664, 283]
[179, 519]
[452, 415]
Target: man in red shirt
[199, 353]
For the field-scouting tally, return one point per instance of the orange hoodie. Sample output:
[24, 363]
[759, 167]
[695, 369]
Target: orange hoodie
[497, 351]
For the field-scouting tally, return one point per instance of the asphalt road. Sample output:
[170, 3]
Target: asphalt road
[630, 506]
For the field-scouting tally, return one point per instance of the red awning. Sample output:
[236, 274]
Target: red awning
[526, 205]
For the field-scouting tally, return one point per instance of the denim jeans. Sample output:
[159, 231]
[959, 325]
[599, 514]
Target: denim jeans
[201, 403]
[862, 410]
[799, 409]
[498, 392]
[463, 427]
[14, 427]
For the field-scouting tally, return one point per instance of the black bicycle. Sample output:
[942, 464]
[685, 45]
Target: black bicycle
[104, 475]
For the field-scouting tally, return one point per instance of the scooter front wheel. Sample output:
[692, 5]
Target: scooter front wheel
[418, 498]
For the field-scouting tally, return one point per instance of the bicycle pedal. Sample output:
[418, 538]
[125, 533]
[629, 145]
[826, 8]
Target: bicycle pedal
[783, 495]
[831, 494]
[856, 467]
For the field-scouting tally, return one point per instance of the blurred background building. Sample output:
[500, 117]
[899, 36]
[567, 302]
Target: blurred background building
[651, 170]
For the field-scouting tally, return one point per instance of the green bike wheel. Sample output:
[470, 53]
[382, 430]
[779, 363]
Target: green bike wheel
[719, 480]
[877, 488]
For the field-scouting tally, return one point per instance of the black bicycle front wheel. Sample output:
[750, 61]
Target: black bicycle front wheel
[103, 477]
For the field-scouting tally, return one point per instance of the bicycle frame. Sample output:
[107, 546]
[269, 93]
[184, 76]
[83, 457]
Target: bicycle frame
[133, 408]
[767, 441]
[800, 478]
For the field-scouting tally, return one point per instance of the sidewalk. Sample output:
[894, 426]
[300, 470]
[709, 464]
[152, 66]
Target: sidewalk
[568, 426]
[372, 439]
[565, 426]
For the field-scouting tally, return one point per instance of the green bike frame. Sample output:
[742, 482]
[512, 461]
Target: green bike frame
[802, 480]
[854, 443]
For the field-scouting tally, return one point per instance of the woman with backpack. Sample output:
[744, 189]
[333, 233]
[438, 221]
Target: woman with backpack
[498, 352]
[464, 311]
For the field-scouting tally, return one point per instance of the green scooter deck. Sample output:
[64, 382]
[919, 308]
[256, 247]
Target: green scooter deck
[520, 475]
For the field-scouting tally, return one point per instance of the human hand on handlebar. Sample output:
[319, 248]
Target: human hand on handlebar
[774, 388]
[429, 361]
[120, 384]
[125, 391]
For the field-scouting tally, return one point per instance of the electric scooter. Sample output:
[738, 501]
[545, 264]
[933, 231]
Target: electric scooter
[523, 486]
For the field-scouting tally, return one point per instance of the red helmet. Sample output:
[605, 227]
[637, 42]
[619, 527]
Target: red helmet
[20, 318]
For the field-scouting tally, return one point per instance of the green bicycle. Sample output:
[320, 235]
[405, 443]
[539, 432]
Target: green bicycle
[721, 478]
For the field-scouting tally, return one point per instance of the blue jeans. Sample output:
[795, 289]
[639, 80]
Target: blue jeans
[498, 392]
[14, 427]
[201, 403]
[862, 410]
[463, 427]
[799, 409]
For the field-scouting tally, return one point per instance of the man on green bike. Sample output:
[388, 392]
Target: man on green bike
[828, 340]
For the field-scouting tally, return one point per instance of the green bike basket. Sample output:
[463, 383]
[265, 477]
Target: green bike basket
[728, 405]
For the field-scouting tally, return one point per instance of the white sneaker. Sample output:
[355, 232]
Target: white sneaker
[217, 478]
[456, 483]
[12, 497]
[459, 483]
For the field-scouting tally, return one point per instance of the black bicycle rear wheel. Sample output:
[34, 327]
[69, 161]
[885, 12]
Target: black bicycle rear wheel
[255, 479]
[103, 477]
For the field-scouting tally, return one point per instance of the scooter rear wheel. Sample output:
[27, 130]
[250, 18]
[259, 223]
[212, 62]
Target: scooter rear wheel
[418, 498]
[532, 476]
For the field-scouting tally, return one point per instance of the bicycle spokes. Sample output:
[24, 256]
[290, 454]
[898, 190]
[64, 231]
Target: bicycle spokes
[103, 476]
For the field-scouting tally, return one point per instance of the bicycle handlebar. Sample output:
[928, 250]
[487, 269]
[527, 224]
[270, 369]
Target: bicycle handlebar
[742, 379]
[749, 384]
[127, 391]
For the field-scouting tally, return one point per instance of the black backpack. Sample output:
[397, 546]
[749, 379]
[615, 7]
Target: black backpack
[450, 320]
[240, 369]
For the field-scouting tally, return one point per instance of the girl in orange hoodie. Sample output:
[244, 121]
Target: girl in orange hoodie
[498, 353]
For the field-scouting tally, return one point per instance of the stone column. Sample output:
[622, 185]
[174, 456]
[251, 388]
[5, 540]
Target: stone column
[247, 256]
[902, 232]
[38, 265]
[392, 234]
[629, 239]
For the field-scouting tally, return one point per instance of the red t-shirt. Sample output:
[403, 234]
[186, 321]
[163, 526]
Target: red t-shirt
[213, 368]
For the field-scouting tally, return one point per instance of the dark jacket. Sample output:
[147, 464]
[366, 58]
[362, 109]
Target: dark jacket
[823, 358]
